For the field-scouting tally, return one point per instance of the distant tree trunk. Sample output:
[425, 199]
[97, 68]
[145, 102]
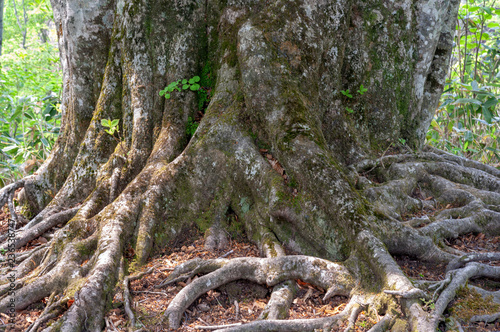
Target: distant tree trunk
[1, 25]
[44, 35]
[22, 27]
[312, 117]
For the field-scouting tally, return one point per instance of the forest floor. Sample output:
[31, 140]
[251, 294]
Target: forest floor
[242, 301]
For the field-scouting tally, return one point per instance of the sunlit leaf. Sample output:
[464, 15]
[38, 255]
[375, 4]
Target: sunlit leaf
[487, 114]
[467, 101]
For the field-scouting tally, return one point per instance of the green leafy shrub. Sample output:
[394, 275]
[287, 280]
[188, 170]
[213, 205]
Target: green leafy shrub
[191, 84]
[467, 120]
[30, 85]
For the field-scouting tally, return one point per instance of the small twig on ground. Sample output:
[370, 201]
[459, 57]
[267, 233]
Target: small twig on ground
[227, 254]
[167, 269]
[215, 327]
[148, 292]
[236, 309]
[126, 294]
[52, 310]
[110, 325]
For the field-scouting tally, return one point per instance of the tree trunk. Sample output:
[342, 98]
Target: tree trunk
[22, 27]
[1, 25]
[313, 115]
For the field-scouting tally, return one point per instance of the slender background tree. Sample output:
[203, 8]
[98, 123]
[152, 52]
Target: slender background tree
[304, 118]
[1, 25]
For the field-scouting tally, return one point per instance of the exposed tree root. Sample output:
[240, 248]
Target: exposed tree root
[460, 262]
[267, 271]
[52, 310]
[28, 234]
[283, 293]
[383, 324]
[486, 318]
[120, 199]
[9, 190]
[468, 194]
[457, 279]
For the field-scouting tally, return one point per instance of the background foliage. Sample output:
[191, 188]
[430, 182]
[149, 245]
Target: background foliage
[467, 120]
[30, 85]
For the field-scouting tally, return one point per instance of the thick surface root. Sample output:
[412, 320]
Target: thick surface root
[260, 161]
[431, 197]
[266, 271]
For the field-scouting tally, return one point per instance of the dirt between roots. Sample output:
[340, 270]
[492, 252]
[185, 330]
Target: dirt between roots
[238, 302]
[241, 301]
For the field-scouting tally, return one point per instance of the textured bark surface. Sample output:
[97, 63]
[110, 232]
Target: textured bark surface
[301, 165]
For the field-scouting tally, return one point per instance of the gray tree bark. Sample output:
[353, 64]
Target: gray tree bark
[300, 138]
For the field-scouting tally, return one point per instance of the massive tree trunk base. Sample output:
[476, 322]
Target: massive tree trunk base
[280, 153]
[83, 259]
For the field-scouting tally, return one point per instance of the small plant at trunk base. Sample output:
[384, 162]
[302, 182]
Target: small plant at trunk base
[191, 127]
[428, 304]
[348, 94]
[191, 84]
[362, 90]
[112, 126]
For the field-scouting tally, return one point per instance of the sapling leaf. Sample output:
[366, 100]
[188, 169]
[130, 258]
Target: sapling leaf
[346, 93]
[184, 81]
[185, 87]
[362, 90]
[487, 114]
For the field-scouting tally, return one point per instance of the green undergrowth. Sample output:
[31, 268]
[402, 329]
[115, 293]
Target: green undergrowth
[467, 120]
[30, 88]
